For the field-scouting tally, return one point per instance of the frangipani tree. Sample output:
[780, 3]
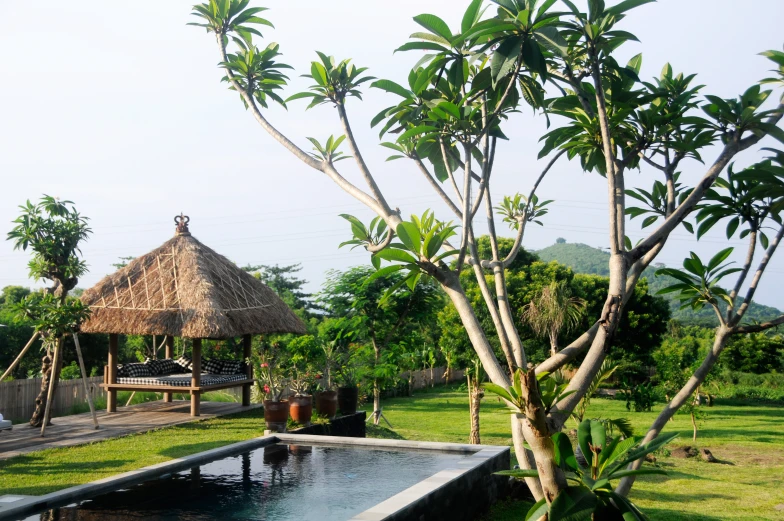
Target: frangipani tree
[53, 230]
[446, 124]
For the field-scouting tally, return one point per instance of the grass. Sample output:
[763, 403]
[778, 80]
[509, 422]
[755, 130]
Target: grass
[748, 439]
[48, 470]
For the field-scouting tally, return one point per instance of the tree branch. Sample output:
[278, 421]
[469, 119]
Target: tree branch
[757, 276]
[352, 145]
[757, 328]
[321, 166]
[521, 230]
[437, 187]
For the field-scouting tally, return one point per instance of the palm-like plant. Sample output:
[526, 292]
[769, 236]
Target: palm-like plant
[590, 495]
[334, 81]
[553, 313]
[698, 282]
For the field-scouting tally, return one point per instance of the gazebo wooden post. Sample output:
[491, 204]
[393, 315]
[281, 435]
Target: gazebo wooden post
[196, 377]
[246, 352]
[167, 397]
[111, 396]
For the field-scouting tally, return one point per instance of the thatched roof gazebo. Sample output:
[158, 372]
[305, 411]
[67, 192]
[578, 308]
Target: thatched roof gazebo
[184, 289]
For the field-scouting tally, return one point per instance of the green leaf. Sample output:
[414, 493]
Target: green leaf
[409, 235]
[435, 25]
[519, 473]
[383, 272]
[584, 438]
[422, 46]
[471, 15]
[598, 435]
[552, 39]
[539, 509]
[505, 57]
[627, 5]
[420, 129]
[572, 504]
[391, 86]
[564, 454]
[732, 226]
[394, 254]
[635, 63]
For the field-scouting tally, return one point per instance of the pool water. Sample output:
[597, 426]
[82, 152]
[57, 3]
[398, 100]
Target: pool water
[273, 483]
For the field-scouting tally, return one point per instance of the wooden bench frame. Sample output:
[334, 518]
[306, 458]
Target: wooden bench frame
[195, 389]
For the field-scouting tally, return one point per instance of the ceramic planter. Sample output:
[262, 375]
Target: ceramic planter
[347, 400]
[276, 414]
[327, 403]
[301, 409]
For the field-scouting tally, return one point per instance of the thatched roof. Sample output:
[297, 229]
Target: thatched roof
[186, 289]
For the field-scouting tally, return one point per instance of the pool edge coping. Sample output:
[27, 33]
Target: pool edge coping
[30, 504]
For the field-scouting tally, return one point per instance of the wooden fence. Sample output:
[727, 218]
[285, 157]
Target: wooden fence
[17, 398]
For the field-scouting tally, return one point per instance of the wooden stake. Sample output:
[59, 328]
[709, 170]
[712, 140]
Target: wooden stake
[196, 377]
[111, 395]
[52, 382]
[167, 397]
[84, 380]
[21, 355]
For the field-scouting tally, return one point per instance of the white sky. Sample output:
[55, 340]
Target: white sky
[118, 107]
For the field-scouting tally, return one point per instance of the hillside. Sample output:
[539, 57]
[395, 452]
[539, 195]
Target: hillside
[587, 259]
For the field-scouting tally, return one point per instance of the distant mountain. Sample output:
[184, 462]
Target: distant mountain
[594, 261]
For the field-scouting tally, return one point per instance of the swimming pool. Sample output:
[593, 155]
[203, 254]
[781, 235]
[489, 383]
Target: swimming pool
[289, 477]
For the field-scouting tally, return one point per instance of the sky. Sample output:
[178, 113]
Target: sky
[118, 106]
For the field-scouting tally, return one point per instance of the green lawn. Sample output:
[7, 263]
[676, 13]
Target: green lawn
[45, 471]
[748, 439]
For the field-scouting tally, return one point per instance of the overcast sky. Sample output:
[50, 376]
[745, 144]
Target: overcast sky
[118, 107]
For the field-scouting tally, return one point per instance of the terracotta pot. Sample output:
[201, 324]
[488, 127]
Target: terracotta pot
[327, 403]
[301, 409]
[276, 414]
[347, 400]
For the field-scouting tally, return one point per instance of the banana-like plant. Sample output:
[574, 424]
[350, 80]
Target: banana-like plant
[551, 391]
[590, 494]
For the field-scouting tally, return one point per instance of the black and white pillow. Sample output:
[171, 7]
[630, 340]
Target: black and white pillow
[185, 364]
[211, 366]
[231, 367]
[136, 370]
[167, 366]
[122, 371]
[153, 365]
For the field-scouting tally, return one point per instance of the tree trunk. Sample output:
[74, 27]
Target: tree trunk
[451, 285]
[475, 395]
[47, 373]
[719, 343]
[694, 427]
[376, 389]
[553, 345]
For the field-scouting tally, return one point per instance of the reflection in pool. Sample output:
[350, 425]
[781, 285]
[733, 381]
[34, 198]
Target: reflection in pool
[273, 483]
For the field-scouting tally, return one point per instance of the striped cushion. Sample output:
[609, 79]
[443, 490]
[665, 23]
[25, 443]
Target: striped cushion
[231, 367]
[180, 380]
[185, 363]
[211, 366]
[135, 370]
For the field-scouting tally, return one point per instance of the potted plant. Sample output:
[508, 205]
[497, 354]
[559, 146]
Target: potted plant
[273, 384]
[301, 403]
[327, 397]
[349, 376]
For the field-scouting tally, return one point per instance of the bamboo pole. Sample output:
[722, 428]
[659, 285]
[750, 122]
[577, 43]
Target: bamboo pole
[21, 355]
[58, 348]
[84, 380]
